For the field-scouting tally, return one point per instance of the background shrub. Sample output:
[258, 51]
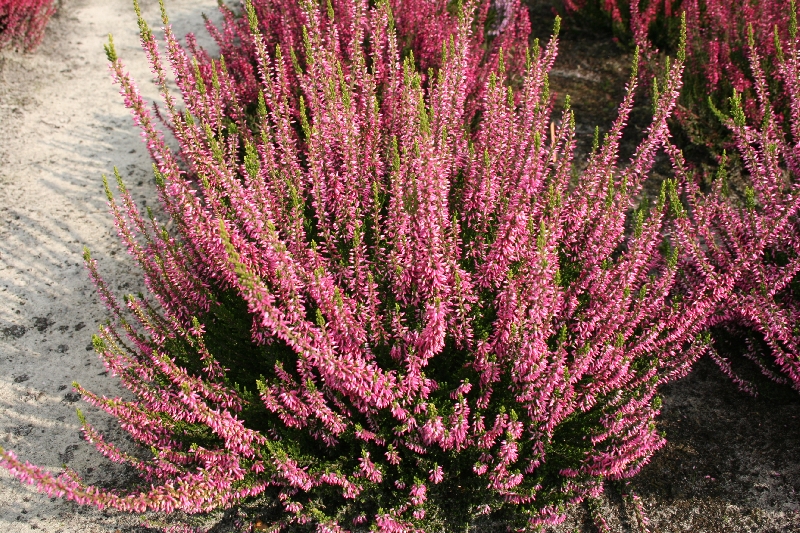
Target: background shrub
[22, 22]
[717, 52]
[748, 215]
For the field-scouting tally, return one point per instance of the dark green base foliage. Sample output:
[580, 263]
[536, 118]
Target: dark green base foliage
[452, 503]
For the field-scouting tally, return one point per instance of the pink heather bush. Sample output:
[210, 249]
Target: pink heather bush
[751, 49]
[22, 22]
[757, 228]
[422, 27]
[387, 313]
[717, 36]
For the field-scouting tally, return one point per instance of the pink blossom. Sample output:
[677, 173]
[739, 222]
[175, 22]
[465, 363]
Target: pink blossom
[436, 474]
[418, 494]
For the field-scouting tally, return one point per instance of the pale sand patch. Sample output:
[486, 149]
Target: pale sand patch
[63, 124]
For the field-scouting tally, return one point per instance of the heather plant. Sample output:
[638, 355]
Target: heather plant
[717, 51]
[747, 216]
[716, 31]
[388, 314]
[422, 27]
[752, 222]
[22, 22]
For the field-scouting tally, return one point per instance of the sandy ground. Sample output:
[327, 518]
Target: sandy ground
[63, 125]
[732, 462]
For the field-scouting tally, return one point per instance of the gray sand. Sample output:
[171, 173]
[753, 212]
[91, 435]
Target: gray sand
[63, 124]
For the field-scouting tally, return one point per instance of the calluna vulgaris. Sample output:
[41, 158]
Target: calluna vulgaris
[422, 27]
[388, 312]
[22, 22]
[717, 33]
[755, 227]
[752, 228]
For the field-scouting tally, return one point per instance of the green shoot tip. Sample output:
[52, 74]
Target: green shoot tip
[111, 52]
[164, 17]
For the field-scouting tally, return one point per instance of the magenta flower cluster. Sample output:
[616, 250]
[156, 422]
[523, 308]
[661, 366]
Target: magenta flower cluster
[717, 35]
[422, 27]
[22, 22]
[754, 225]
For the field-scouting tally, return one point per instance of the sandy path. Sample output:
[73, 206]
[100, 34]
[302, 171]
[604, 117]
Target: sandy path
[63, 125]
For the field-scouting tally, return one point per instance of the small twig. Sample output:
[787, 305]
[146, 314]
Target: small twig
[638, 509]
[596, 513]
